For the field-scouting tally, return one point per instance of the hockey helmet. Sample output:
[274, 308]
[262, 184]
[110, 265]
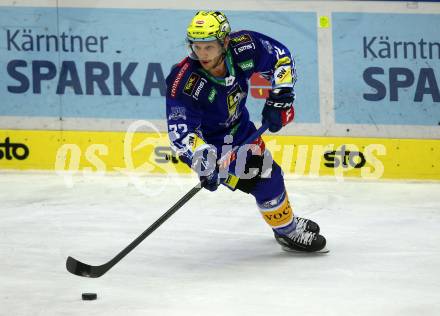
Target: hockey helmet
[208, 26]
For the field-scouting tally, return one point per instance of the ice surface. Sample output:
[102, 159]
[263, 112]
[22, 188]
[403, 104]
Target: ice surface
[216, 256]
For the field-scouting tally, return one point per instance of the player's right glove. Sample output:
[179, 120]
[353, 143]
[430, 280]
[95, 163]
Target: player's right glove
[204, 162]
[278, 110]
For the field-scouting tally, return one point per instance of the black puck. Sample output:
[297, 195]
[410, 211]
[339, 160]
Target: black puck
[89, 296]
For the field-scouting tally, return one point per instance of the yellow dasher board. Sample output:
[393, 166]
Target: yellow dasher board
[367, 158]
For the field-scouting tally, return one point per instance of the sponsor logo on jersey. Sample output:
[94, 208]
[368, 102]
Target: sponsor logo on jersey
[199, 88]
[239, 40]
[166, 154]
[177, 112]
[177, 80]
[190, 84]
[200, 22]
[11, 151]
[243, 48]
[283, 75]
[246, 65]
[190, 141]
[212, 94]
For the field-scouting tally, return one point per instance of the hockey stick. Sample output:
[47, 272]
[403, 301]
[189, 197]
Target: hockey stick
[85, 270]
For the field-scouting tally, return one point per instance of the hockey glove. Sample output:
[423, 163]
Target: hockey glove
[278, 110]
[204, 162]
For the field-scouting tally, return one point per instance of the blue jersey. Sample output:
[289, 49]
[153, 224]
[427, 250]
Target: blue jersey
[200, 105]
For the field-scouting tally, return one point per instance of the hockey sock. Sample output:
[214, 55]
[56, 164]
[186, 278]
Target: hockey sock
[278, 214]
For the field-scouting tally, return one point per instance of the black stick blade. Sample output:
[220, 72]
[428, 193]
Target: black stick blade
[81, 269]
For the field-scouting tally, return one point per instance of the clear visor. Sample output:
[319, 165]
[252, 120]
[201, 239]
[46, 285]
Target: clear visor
[206, 50]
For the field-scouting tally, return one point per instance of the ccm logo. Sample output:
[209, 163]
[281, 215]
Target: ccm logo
[280, 105]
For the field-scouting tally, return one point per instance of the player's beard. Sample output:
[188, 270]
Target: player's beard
[219, 60]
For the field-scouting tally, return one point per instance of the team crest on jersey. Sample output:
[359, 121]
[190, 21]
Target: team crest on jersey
[240, 40]
[233, 99]
[190, 84]
[177, 112]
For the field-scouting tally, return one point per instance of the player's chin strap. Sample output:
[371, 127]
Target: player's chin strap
[85, 270]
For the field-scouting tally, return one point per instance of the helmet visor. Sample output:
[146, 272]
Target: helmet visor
[204, 50]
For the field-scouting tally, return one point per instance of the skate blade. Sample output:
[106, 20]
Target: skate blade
[323, 250]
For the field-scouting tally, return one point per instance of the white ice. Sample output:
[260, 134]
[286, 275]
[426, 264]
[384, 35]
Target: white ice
[216, 255]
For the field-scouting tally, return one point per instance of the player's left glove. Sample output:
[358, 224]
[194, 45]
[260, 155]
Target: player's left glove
[278, 110]
[204, 162]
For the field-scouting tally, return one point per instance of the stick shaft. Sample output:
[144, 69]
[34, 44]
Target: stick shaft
[76, 267]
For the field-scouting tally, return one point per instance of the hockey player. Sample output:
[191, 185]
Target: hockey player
[206, 96]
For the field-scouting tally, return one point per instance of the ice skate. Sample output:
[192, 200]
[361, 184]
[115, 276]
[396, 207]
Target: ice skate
[306, 224]
[302, 240]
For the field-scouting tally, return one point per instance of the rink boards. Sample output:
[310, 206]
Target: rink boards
[141, 152]
[78, 74]
[365, 69]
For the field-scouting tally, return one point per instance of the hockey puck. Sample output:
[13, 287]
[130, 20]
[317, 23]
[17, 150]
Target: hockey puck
[89, 296]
